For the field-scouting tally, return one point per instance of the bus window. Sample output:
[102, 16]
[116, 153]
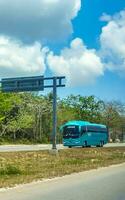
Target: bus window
[70, 132]
[83, 130]
[96, 129]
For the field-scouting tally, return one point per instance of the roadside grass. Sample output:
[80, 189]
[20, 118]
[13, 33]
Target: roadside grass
[8, 141]
[24, 167]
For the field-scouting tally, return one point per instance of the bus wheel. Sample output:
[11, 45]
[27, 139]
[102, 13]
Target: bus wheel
[101, 143]
[86, 144]
[70, 147]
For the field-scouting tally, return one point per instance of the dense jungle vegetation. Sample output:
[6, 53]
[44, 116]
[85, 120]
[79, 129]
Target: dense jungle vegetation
[27, 117]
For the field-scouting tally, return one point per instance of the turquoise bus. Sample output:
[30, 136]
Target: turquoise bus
[83, 133]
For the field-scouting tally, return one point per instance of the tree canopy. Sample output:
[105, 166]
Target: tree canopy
[28, 116]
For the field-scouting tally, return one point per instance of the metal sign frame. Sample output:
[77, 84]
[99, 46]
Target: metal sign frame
[36, 83]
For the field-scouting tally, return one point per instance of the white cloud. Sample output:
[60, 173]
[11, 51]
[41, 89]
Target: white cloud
[113, 43]
[105, 17]
[17, 59]
[80, 65]
[38, 19]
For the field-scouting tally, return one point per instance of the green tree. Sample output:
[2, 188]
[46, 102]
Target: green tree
[85, 108]
[114, 118]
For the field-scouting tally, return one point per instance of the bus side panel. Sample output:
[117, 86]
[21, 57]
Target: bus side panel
[93, 139]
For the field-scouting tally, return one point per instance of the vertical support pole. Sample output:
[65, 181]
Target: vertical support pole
[54, 112]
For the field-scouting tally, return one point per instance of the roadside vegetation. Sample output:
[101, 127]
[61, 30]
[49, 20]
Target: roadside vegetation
[27, 118]
[24, 167]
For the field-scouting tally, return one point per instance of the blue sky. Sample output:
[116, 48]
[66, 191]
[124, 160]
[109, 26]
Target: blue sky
[81, 39]
[87, 24]
[88, 27]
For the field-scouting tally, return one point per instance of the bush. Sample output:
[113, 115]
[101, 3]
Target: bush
[10, 170]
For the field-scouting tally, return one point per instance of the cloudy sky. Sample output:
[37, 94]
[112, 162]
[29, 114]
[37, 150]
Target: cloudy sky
[81, 39]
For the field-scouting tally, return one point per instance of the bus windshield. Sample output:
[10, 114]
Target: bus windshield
[71, 132]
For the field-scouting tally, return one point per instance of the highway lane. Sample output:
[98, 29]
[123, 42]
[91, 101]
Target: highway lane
[101, 184]
[12, 148]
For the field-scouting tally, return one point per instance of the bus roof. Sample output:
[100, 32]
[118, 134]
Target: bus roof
[82, 123]
[101, 125]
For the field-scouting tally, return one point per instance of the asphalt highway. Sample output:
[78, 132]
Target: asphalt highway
[102, 184]
[12, 148]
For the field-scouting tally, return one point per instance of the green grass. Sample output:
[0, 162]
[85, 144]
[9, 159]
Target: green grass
[7, 141]
[23, 167]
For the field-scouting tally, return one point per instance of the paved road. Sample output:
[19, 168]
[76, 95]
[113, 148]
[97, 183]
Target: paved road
[12, 148]
[101, 184]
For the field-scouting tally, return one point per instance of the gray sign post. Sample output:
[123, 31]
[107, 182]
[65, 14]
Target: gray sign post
[36, 83]
[54, 112]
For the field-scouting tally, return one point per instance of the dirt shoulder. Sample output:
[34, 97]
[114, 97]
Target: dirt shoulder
[24, 167]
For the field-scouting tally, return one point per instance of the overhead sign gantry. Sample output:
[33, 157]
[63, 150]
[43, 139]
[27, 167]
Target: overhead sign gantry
[36, 83]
